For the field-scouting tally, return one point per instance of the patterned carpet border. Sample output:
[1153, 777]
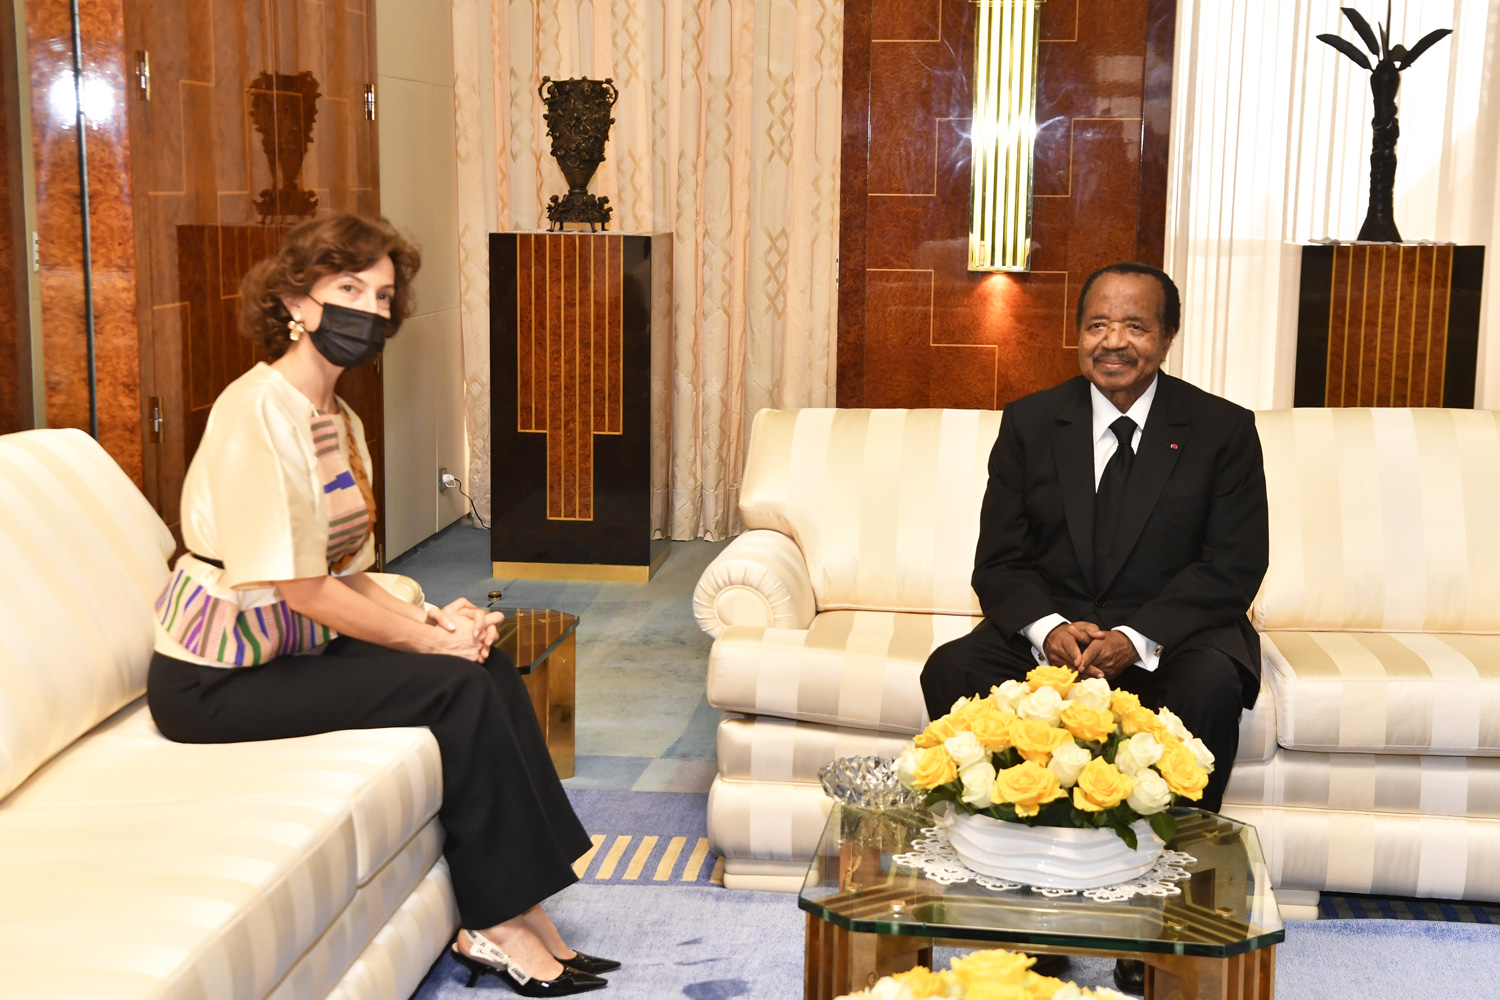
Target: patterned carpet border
[1356, 907]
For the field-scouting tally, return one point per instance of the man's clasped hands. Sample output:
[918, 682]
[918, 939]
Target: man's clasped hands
[1090, 650]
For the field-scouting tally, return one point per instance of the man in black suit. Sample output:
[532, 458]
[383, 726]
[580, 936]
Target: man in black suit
[1123, 531]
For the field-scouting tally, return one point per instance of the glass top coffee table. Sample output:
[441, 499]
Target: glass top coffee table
[869, 917]
[543, 644]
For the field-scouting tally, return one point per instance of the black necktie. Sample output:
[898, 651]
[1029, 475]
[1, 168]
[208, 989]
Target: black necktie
[1111, 491]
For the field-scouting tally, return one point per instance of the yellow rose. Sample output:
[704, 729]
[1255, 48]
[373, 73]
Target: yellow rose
[1092, 725]
[991, 968]
[1041, 987]
[938, 731]
[1141, 720]
[1059, 679]
[1100, 786]
[935, 767]
[924, 983]
[993, 727]
[1028, 787]
[996, 991]
[1122, 701]
[1035, 740]
[1180, 768]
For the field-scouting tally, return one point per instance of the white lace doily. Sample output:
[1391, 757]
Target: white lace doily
[937, 860]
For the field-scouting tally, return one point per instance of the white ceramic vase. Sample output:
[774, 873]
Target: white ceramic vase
[1052, 856]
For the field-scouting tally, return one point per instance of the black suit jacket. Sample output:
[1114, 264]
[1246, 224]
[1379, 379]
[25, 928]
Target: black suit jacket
[1191, 544]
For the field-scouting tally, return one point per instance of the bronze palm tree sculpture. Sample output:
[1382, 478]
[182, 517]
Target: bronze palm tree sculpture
[1385, 81]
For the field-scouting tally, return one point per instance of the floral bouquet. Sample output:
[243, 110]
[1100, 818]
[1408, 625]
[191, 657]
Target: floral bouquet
[980, 975]
[1057, 751]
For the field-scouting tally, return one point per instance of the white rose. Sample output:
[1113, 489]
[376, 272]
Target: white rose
[1067, 761]
[1173, 724]
[1093, 692]
[890, 989]
[861, 995]
[978, 780]
[1007, 694]
[1068, 991]
[965, 749]
[1105, 993]
[960, 703]
[1137, 753]
[906, 765]
[1204, 754]
[1150, 793]
[1043, 705]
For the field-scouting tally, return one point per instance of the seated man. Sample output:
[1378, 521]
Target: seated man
[1123, 531]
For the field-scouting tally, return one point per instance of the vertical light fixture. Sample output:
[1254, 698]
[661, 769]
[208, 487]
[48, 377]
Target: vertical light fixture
[1003, 135]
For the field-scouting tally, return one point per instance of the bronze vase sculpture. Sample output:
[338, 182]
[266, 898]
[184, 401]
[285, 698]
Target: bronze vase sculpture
[1385, 81]
[283, 107]
[578, 121]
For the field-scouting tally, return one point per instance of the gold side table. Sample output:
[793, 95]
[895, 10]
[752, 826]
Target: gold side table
[543, 644]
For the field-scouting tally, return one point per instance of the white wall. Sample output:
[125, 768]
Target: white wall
[1271, 145]
[424, 399]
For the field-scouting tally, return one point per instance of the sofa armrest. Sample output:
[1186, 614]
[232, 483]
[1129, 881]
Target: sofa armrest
[759, 579]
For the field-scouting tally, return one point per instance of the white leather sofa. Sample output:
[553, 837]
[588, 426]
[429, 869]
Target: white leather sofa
[1371, 762]
[133, 867]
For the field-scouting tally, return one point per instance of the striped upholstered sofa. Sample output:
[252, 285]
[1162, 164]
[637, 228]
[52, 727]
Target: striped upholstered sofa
[131, 867]
[1371, 762]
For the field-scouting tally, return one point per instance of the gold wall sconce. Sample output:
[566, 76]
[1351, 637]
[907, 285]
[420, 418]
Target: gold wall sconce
[1003, 134]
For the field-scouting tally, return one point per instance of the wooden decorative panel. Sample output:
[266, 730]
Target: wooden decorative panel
[223, 135]
[1388, 325]
[916, 327]
[569, 364]
[577, 321]
[112, 264]
[15, 342]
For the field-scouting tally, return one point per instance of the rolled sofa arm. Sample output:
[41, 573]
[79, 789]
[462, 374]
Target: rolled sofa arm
[759, 579]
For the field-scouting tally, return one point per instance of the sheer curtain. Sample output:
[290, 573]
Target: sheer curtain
[726, 134]
[1271, 145]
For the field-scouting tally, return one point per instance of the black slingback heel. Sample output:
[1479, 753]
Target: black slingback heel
[488, 959]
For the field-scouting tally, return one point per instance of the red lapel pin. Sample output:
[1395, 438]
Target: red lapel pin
[1174, 446]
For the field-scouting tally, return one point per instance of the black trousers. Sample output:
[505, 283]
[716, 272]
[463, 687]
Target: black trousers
[512, 835]
[1199, 683]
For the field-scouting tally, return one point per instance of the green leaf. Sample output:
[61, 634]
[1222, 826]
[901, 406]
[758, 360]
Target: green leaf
[1164, 825]
[1427, 42]
[1363, 27]
[1125, 833]
[1347, 47]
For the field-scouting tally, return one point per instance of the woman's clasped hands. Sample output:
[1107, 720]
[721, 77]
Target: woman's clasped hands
[464, 629]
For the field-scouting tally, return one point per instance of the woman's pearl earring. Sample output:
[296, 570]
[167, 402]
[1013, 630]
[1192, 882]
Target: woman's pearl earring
[295, 329]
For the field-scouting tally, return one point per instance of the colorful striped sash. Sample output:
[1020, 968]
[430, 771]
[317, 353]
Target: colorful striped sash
[216, 629]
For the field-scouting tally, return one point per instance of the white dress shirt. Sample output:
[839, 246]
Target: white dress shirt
[1148, 653]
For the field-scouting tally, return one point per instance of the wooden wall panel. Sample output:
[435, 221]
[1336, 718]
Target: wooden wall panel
[208, 164]
[111, 218]
[916, 327]
[15, 341]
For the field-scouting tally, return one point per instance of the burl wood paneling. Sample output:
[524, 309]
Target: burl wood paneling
[916, 327]
[201, 164]
[59, 222]
[1388, 325]
[569, 356]
[15, 355]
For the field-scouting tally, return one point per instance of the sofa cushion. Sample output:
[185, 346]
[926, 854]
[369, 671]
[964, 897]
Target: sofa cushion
[1381, 520]
[389, 781]
[1387, 783]
[83, 557]
[852, 668]
[1386, 692]
[167, 899]
[884, 504]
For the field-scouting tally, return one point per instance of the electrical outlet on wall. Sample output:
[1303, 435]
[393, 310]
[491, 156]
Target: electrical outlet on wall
[445, 481]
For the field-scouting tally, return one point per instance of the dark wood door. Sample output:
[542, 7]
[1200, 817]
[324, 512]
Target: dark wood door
[15, 354]
[255, 117]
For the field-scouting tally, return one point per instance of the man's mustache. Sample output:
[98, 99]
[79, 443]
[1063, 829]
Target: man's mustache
[1124, 357]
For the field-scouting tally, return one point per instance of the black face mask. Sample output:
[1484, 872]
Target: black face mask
[349, 337]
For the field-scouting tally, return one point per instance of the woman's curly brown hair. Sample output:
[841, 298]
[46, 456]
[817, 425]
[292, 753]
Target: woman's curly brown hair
[312, 250]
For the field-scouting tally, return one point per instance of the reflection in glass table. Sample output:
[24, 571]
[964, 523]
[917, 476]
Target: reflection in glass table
[869, 917]
[544, 646]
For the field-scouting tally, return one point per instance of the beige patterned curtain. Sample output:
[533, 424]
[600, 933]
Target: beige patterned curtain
[726, 134]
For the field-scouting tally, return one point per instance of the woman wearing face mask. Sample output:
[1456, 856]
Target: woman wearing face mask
[276, 515]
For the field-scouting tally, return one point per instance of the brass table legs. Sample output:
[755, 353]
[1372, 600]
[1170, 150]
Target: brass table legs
[552, 686]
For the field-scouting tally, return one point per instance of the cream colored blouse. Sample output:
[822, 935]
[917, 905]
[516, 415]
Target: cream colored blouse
[255, 499]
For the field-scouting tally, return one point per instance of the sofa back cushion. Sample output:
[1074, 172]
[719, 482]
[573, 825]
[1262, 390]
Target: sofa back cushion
[1382, 520]
[82, 558]
[883, 503]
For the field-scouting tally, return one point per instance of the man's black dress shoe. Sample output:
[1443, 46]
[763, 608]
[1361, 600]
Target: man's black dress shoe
[592, 964]
[1051, 965]
[1130, 975]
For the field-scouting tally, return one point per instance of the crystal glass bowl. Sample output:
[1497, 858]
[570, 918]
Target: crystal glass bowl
[867, 783]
